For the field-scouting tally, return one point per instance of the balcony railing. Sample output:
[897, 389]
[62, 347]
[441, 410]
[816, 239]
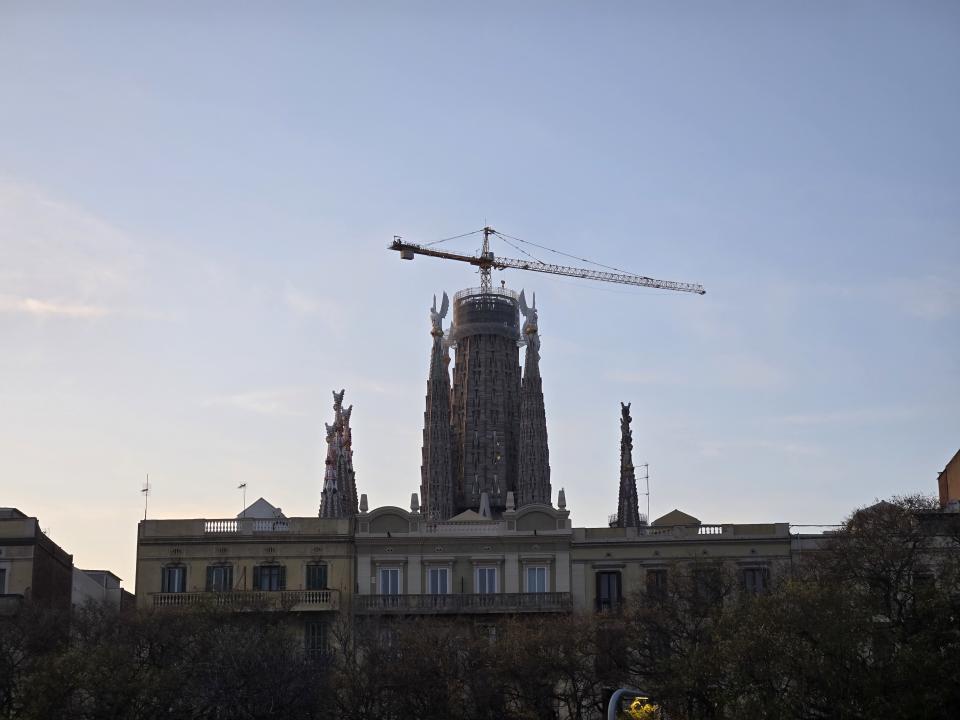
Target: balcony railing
[257, 525]
[463, 528]
[295, 600]
[473, 603]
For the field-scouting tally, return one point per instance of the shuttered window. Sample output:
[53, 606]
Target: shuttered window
[608, 591]
[173, 579]
[269, 577]
[219, 578]
[317, 576]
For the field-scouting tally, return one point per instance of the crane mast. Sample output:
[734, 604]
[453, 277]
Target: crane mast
[487, 261]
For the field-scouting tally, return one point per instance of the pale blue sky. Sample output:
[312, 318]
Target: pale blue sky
[196, 198]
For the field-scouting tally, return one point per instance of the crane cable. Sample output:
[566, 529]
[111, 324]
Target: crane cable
[559, 252]
[520, 249]
[504, 237]
[455, 237]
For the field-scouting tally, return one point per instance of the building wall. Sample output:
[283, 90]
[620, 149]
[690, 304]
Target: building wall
[949, 481]
[244, 544]
[392, 537]
[96, 586]
[633, 552]
[36, 567]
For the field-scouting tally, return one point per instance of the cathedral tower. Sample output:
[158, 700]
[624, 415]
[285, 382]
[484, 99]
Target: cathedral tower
[486, 432]
[436, 477]
[485, 406]
[533, 476]
[628, 505]
[339, 495]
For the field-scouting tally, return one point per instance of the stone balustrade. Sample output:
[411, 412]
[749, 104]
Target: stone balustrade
[294, 600]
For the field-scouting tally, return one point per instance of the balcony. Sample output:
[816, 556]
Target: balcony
[290, 600]
[242, 529]
[504, 603]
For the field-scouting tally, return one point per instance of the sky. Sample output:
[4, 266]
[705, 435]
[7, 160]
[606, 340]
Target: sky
[196, 201]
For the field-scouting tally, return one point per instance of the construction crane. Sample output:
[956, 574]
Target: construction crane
[487, 261]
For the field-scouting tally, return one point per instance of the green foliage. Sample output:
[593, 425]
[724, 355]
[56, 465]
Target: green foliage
[866, 626]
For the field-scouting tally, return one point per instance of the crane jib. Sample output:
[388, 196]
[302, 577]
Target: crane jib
[488, 261]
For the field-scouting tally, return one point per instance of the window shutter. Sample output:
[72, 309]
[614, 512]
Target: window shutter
[228, 579]
[256, 577]
[209, 578]
[283, 578]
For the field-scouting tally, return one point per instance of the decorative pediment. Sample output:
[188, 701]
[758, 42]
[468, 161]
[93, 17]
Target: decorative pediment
[675, 517]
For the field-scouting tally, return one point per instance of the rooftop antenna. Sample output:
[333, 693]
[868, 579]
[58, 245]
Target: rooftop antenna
[146, 495]
[646, 479]
[243, 511]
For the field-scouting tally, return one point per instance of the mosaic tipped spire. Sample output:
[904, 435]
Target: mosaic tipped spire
[339, 495]
[436, 478]
[628, 506]
[533, 476]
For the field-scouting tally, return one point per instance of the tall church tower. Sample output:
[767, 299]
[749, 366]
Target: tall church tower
[487, 435]
[436, 477]
[339, 495]
[533, 477]
[628, 504]
[486, 395]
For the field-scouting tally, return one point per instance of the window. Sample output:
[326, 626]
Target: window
[270, 577]
[755, 580]
[315, 638]
[173, 579]
[657, 584]
[438, 580]
[317, 576]
[608, 590]
[709, 588]
[389, 581]
[536, 579]
[486, 580]
[3, 581]
[219, 578]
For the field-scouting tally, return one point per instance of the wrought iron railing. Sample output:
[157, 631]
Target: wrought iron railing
[465, 603]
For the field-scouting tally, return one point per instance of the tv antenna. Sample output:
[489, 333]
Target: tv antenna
[146, 495]
[646, 479]
[243, 510]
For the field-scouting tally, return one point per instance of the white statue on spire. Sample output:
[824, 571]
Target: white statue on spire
[530, 322]
[436, 318]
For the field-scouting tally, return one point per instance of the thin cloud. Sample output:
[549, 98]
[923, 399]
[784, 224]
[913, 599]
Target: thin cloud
[306, 305]
[646, 377]
[749, 372]
[59, 260]
[719, 448]
[860, 416]
[47, 308]
[276, 402]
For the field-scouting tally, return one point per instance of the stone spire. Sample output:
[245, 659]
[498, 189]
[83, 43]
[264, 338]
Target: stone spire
[339, 496]
[533, 476]
[436, 476]
[628, 506]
